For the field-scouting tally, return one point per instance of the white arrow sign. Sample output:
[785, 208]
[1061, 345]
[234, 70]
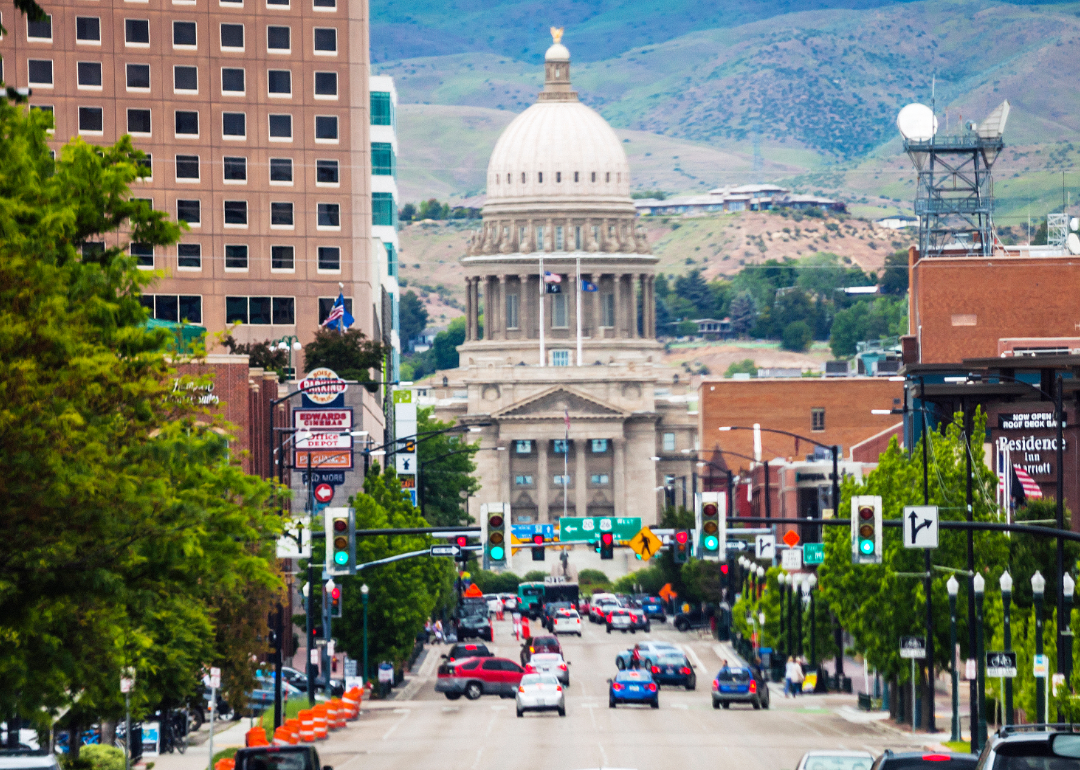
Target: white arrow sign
[765, 547]
[445, 550]
[920, 526]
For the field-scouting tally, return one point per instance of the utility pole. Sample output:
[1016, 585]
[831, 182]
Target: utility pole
[928, 581]
[973, 685]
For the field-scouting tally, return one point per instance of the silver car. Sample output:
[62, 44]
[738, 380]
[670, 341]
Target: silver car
[549, 663]
[836, 760]
[540, 692]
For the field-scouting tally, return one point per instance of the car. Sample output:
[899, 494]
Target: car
[24, 758]
[620, 619]
[695, 618]
[673, 668]
[633, 687]
[298, 679]
[567, 622]
[653, 607]
[474, 621]
[547, 614]
[540, 692]
[473, 677]
[468, 650]
[633, 657]
[639, 620]
[549, 663]
[1036, 752]
[1039, 747]
[739, 684]
[600, 606]
[540, 644]
[279, 758]
[835, 760]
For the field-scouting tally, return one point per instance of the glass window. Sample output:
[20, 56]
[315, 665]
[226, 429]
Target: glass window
[607, 307]
[560, 480]
[138, 121]
[511, 311]
[281, 126]
[558, 238]
[560, 446]
[600, 478]
[382, 109]
[523, 480]
[558, 311]
[184, 34]
[137, 31]
[326, 84]
[90, 119]
[391, 260]
[329, 258]
[817, 418]
[236, 256]
[669, 442]
[282, 258]
[232, 37]
[88, 74]
[324, 4]
[599, 445]
[560, 358]
[259, 310]
[93, 249]
[189, 211]
[39, 72]
[281, 170]
[284, 3]
[281, 214]
[88, 29]
[278, 38]
[143, 253]
[236, 309]
[326, 172]
[383, 210]
[383, 161]
[234, 124]
[235, 168]
[279, 82]
[329, 214]
[39, 30]
[232, 80]
[284, 310]
[170, 307]
[186, 79]
[236, 213]
[325, 40]
[189, 255]
[187, 122]
[523, 447]
[326, 127]
[138, 76]
[187, 166]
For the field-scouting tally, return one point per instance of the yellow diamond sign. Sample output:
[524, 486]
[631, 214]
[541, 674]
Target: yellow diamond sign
[645, 544]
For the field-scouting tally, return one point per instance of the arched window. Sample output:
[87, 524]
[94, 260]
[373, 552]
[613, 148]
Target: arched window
[558, 71]
[508, 177]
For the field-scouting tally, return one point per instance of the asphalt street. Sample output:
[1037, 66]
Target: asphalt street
[421, 729]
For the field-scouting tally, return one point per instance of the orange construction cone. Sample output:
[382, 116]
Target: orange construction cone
[225, 763]
[340, 713]
[293, 726]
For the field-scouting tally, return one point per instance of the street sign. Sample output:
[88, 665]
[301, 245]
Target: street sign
[1001, 664]
[322, 386]
[583, 530]
[523, 533]
[765, 547]
[645, 544]
[920, 526]
[813, 553]
[339, 459]
[295, 540]
[406, 463]
[913, 647]
[791, 538]
[322, 421]
[1042, 666]
[791, 559]
[445, 550]
[324, 493]
[324, 477]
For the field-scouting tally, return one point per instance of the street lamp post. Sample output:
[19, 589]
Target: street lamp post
[979, 739]
[1069, 586]
[780, 580]
[953, 587]
[1038, 590]
[810, 584]
[364, 595]
[761, 582]
[800, 602]
[1006, 583]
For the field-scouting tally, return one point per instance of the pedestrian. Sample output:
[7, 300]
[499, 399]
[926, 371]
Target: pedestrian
[438, 631]
[517, 625]
[790, 674]
[499, 608]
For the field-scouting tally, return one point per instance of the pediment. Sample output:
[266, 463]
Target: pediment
[557, 401]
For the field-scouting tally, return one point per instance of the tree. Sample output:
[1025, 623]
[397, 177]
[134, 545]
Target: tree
[351, 355]
[746, 366]
[692, 288]
[446, 472]
[265, 355]
[413, 316]
[894, 278]
[407, 213]
[534, 576]
[797, 336]
[446, 342]
[867, 321]
[743, 312]
[686, 329]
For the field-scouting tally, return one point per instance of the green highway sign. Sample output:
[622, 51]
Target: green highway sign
[813, 553]
[588, 529]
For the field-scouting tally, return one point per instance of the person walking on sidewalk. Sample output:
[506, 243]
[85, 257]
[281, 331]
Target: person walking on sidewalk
[793, 677]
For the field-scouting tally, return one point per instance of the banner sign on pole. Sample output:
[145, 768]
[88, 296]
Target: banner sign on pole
[1001, 664]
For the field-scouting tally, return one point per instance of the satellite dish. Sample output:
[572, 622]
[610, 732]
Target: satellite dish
[1073, 243]
[1074, 224]
[917, 122]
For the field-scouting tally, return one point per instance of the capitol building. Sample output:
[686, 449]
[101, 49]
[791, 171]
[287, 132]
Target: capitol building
[561, 328]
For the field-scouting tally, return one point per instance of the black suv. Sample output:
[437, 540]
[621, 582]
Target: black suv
[1032, 747]
[933, 760]
[279, 758]
[695, 618]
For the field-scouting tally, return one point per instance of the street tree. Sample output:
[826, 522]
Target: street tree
[446, 472]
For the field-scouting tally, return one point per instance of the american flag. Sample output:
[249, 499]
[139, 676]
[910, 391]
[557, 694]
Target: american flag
[1031, 489]
[566, 419]
[550, 277]
[339, 317]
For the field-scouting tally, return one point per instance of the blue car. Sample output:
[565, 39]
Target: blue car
[633, 687]
[654, 608]
[673, 668]
[738, 684]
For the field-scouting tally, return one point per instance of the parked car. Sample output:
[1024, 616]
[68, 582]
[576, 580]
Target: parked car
[829, 759]
[279, 758]
[739, 684]
[540, 692]
[24, 758]
[633, 687]
[695, 618]
[672, 667]
[473, 677]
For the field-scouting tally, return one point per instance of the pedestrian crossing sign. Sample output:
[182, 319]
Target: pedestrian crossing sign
[645, 544]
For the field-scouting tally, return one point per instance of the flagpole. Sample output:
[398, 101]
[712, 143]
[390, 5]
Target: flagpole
[565, 462]
[543, 291]
[579, 309]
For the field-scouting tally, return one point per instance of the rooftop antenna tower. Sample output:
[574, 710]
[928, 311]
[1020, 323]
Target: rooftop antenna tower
[954, 200]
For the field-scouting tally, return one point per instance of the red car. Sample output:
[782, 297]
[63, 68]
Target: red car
[473, 677]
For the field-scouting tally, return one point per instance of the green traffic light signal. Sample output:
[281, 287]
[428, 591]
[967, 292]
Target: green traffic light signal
[866, 547]
[711, 543]
[496, 553]
[341, 558]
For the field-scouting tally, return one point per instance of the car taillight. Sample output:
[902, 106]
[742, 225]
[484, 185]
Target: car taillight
[562, 666]
[686, 670]
[529, 669]
[558, 688]
[616, 687]
[936, 757]
[652, 687]
[656, 669]
[716, 684]
[753, 687]
[521, 688]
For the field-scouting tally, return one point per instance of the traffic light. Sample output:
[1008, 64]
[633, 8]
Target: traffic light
[681, 549]
[713, 534]
[607, 545]
[866, 529]
[340, 541]
[496, 534]
[335, 602]
[538, 553]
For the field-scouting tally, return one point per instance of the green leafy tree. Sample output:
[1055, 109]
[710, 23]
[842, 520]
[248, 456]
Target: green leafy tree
[797, 336]
[265, 355]
[413, 316]
[867, 321]
[746, 366]
[744, 312]
[446, 343]
[894, 278]
[351, 355]
[535, 576]
[495, 582]
[446, 472]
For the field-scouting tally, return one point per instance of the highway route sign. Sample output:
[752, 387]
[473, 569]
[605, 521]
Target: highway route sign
[813, 553]
[920, 526]
[1001, 664]
[645, 544]
[445, 550]
[765, 547]
[585, 530]
[913, 647]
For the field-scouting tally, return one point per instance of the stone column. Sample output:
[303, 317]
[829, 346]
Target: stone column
[523, 306]
[581, 478]
[652, 307]
[596, 306]
[502, 305]
[468, 310]
[474, 308]
[644, 328]
[616, 321]
[543, 482]
[618, 482]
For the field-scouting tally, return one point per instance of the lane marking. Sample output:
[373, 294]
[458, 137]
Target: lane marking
[404, 715]
[697, 661]
[487, 733]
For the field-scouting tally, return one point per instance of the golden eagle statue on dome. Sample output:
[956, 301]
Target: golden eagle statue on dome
[556, 34]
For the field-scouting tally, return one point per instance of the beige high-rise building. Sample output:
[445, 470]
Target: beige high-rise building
[563, 278]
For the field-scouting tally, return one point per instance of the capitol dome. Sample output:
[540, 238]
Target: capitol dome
[558, 150]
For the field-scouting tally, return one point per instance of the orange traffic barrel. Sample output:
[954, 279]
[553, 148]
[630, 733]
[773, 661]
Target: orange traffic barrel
[293, 726]
[332, 714]
[340, 712]
[307, 725]
[225, 763]
[282, 736]
[351, 701]
[319, 717]
[256, 736]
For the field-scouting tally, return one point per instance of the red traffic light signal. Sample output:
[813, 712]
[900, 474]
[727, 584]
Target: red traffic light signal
[723, 569]
[335, 593]
[461, 541]
[607, 538]
[538, 539]
[682, 536]
[710, 509]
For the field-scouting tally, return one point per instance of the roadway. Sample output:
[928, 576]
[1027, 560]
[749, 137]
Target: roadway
[422, 730]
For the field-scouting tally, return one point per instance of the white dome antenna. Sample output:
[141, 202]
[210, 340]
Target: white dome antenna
[917, 123]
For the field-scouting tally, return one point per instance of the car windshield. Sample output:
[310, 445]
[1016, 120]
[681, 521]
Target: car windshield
[1031, 755]
[633, 676]
[822, 762]
[277, 760]
[529, 679]
[547, 657]
[735, 675]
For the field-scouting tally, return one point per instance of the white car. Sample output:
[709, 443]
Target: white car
[540, 692]
[567, 623]
[836, 760]
[549, 663]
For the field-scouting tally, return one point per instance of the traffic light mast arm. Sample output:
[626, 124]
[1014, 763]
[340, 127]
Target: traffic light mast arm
[1026, 529]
